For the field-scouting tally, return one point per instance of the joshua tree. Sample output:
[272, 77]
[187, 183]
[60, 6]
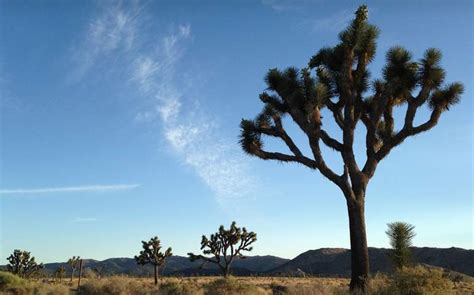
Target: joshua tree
[225, 245]
[22, 264]
[151, 254]
[59, 273]
[400, 235]
[99, 271]
[73, 263]
[340, 88]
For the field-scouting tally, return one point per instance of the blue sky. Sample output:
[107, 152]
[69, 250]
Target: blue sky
[119, 121]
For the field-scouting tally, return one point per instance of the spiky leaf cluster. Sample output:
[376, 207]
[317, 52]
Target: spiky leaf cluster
[223, 246]
[152, 254]
[401, 235]
[337, 78]
[23, 264]
[74, 261]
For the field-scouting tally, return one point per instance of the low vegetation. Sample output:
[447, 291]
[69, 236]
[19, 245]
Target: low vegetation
[12, 284]
[418, 280]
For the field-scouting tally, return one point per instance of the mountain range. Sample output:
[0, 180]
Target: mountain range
[332, 262]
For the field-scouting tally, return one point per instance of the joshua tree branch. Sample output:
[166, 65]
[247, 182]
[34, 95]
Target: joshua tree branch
[336, 111]
[407, 132]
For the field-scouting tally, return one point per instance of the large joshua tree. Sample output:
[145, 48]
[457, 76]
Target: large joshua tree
[341, 86]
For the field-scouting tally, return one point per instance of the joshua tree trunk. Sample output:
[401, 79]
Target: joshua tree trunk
[80, 274]
[72, 274]
[359, 250]
[155, 267]
[227, 270]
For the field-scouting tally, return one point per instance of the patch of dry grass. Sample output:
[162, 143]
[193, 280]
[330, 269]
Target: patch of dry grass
[11, 284]
[408, 281]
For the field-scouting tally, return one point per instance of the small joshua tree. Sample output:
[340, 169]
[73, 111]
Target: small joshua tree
[73, 263]
[59, 273]
[151, 254]
[401, 235]
[23, 264]
[224, 246]
[99, 271]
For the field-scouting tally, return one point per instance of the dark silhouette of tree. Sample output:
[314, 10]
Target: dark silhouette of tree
[23, 264]
[73, 263]
[341, 89]
[401, 235]
[151, 254]
[225, 246]
[59, 273]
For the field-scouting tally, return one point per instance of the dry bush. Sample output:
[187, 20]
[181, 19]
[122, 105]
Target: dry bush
[8, 280]
[180, 287]
[123, 285]
[232, 286]
[417, 280]
[12, 284]
[117, 285]
[306, 289]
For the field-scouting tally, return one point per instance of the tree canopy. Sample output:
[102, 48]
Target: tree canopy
[23, 264]
[224, 246]
[152, 254]
[337, 79]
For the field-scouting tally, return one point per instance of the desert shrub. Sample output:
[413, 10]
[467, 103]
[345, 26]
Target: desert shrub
[417, 280]
[231, 286]
[8, 279]
[109, 286]
[307, 289]
[379, 284]
[12, 284]
[278, 289]
[178, 287]
[91, 287]
[89, 273]
[118, 285]
[47, 289]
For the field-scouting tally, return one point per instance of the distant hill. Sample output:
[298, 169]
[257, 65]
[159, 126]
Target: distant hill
[332, 262]
[337, 262]
[175, 265]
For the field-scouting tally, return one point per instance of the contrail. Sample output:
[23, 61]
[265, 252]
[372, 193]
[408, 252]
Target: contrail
[83, 188]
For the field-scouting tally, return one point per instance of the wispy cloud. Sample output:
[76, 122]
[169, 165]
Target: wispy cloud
[84, 219]
[113, 32]
[70, 189]
[191, 134]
